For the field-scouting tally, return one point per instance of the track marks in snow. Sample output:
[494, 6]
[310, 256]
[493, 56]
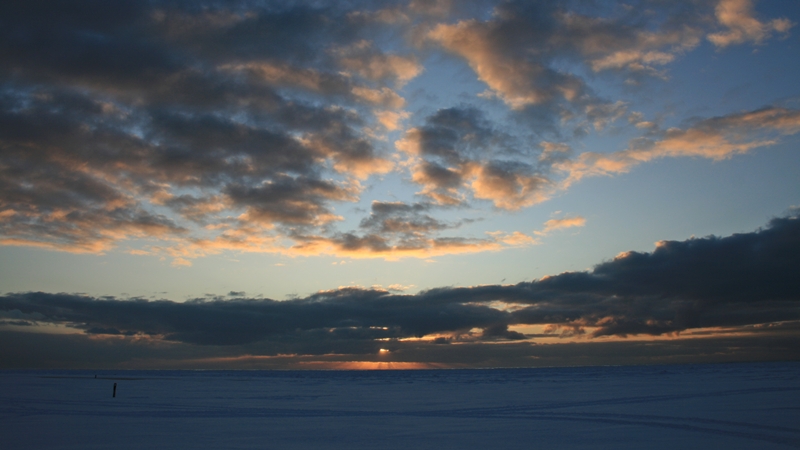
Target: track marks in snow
[549, 411]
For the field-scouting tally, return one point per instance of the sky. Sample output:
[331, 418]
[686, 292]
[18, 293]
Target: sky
[423, 183]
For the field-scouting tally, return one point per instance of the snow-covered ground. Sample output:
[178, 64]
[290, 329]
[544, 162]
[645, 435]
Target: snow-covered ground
[725, 406]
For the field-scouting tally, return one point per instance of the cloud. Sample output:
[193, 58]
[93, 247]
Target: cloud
[391, 119]
[365, 60]
[716, 138]
[402, 218]
[289, 200]
[431, 7]
[398, 287]
[383, 97]
[203, 128]
[284, 75]
[519, 51]
[743, 279]
[509, 185]
[518, 82]
[459, 151]
[80, 351]
[609, 44]
[72, 186]
[744, 283]
[560, 224]
[182, 125]
[741, 26]
[394, 247]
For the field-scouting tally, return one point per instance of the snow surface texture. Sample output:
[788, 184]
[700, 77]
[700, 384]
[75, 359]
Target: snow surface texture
[730, 406]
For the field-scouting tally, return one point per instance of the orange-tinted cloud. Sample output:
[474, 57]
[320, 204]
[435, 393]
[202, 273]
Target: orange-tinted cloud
[458, 152]
[560, 224]
[741, 25]
[716, 138]
[364, 60]
[194, 131]
[517, 82]
[391, 120]
[509, 186]
[608, 45]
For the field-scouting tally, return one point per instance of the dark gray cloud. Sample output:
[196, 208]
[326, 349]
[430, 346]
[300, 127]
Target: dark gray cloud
[287, 200]
[397, 229]
[461, 152]
[21, 349]
[520, 51]
[458, 133]
[122, 120]
[404, 219]
[183, 122]
[745, 283]
[365, 313]
[706, 282]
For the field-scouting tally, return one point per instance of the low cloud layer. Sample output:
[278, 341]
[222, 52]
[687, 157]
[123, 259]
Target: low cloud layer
[736, 286]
